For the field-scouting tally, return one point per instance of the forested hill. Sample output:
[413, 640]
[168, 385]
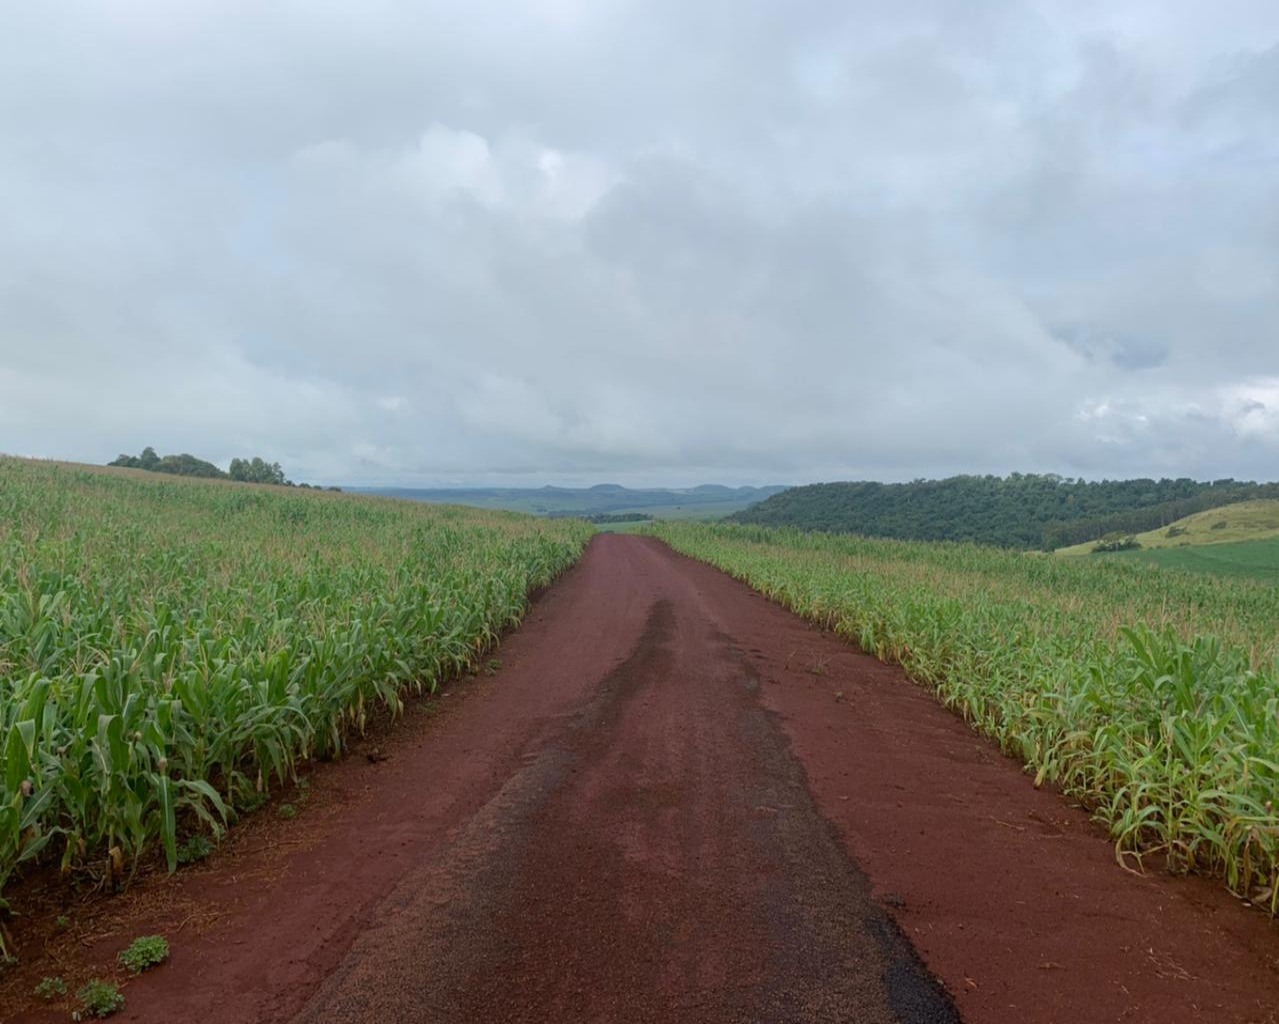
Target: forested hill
[1021, 510]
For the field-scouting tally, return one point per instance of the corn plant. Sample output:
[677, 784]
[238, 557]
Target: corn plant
[170, 649]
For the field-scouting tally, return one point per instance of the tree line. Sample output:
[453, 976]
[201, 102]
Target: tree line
[1025, 510]
[602, 518]
[254, 470]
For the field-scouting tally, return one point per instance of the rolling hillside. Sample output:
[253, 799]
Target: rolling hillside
[1235, 540]
[1243, 521]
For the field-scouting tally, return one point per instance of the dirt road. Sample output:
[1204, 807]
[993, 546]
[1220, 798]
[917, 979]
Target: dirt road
[677, 802]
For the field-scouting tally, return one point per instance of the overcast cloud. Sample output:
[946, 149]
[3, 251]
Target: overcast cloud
[651, 242]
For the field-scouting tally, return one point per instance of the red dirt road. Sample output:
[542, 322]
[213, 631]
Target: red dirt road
[677, 802]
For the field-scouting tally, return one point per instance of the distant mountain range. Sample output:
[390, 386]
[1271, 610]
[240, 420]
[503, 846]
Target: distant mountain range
[707, 501]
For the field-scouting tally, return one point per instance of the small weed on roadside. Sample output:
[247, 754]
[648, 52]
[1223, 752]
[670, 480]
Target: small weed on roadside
[50, 988]
[195, 849]
[145, 952]
[98, 999]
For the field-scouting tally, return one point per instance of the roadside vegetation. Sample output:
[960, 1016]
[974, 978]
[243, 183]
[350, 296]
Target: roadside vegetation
[171, 649]
[1149, 696]
[1023, 510]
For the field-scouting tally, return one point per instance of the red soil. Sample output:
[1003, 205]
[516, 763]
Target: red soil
[674, 802]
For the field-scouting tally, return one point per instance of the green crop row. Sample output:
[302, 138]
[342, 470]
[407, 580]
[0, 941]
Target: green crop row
[169, 648]
[1151, 696]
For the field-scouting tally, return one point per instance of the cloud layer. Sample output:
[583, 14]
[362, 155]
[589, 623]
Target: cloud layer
[559, 241]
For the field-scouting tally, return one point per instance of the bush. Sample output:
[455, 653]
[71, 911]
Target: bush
[1116, 542]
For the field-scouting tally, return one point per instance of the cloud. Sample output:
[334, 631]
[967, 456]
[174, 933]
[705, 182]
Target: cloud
[652, 243]
[1253, 411]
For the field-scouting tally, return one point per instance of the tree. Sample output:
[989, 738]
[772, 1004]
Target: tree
[257, 471]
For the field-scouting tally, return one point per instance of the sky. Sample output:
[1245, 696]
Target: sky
[668, 242]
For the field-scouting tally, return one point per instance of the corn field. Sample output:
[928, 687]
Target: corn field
[1151, 696]
[169, 649]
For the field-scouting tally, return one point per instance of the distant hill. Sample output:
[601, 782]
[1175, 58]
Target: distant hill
[708, 501]
[1240, 521]
[1021, 510]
